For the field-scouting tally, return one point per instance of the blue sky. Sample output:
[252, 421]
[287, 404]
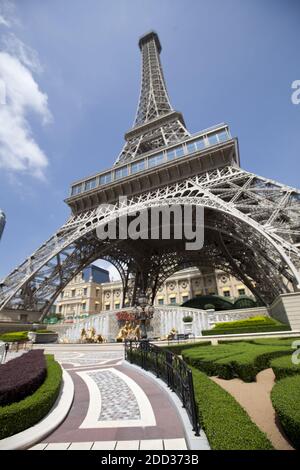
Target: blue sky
[72, 68]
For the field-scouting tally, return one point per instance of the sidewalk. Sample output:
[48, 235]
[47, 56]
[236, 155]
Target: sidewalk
[115, 406]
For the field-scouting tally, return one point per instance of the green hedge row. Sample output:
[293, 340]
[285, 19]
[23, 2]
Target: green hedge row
[243, 360]
[284, 367]
[245, 329]
[285, 397]
[178, 348]
[14, 336]
[225, 422]
[16, 417]
[262, 320]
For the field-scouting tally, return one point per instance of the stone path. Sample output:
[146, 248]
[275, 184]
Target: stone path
[255, 398]
[115, 405]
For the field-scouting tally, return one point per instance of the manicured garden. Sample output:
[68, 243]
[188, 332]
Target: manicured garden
[260, 324]
[20, 377]
[24, 413]
[225, 422]
[222, 418]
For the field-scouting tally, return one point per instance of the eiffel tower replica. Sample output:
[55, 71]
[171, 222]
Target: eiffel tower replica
[252, 224]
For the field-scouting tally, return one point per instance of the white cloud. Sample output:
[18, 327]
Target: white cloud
[26, 55]
[20, 95]
[4, 21]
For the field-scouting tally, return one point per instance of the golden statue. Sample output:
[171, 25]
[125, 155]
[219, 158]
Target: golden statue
[128, 331]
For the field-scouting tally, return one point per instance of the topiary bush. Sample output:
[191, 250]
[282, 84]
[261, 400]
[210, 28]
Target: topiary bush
[14, 336]
[225, 422]
[285, 397]
[284, 367]
[21, 376]
[243, 360]
[16, 417]
[249, 325]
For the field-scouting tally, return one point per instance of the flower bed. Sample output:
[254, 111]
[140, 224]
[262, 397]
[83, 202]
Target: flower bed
[21, 377]
[19, 416]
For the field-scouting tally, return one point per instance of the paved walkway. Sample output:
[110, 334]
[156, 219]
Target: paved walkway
[115, 405]
[255, 398]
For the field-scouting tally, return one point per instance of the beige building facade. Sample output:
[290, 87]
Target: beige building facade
[86, 297]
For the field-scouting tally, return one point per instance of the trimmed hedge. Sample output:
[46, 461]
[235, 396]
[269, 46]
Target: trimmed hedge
[285, 397]
[21, 376]
[243, 360]
[225, 422]
[178, 348]
[252, 321]
[283, 367]
[249, 325]
[14, 336]
[24, 414]
[246, 329]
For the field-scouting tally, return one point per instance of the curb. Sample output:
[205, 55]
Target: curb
[193, 442]
[25, 439]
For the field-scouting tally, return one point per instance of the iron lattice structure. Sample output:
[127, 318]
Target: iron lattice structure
[251, 223]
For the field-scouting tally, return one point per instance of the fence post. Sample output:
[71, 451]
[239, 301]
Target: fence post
[194, 410]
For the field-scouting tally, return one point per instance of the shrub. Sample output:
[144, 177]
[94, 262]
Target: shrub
[187, 319]
[231, 360]
[247, 329]
[285, 397]
[178, 348]
[284, 367]
[261, 320]
[24, 414]
[14, 336]
[225, 422]
[20, 377]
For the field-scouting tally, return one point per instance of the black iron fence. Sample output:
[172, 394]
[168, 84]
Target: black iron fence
[168, 367]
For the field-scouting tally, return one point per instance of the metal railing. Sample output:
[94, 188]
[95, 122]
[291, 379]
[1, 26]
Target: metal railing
[171, 369]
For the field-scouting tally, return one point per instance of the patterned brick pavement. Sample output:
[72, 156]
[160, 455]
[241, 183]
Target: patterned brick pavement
[113, 403]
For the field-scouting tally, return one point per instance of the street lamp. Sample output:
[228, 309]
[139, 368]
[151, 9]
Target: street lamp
[143, 311]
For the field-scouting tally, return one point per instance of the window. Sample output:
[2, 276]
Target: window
[175, 153]
[222, 136]
[155, 160]
[97, 305]
[196, 145]
[213, 139]
[83, 307]
[73, 292]
[104, 179]
[23, 317]
[76, 189]
[241, 291]
[60, 309]
[107, 307]
[226, 293]
[138, 166]
[173, 300]
[90, 184]
[185, 298]
[117, 306]
[160, 301]
[85, 291]
[97, 292]
[121, 172]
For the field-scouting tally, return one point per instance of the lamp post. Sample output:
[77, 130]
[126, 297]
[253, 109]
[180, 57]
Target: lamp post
[143, 311]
